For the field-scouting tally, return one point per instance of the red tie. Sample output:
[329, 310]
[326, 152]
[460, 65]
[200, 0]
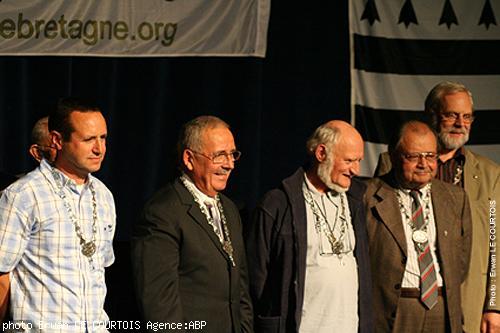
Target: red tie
[428, 280]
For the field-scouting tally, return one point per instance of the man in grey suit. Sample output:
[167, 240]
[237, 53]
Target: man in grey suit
[419, 231]
[187, 250]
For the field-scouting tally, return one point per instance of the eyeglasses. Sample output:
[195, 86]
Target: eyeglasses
[221, 157]
[467, 118]
[415, 157]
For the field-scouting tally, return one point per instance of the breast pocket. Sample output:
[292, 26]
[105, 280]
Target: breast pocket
[53, 235]
[106, 253]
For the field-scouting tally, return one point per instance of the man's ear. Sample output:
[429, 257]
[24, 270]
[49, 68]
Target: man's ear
[320, 153]
[187, 159]
[56, 140]
[35, 152]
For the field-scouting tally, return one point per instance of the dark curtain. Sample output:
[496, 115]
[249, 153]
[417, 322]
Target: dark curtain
[272, 105]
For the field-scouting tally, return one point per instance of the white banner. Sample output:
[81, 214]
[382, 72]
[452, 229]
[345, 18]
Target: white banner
[131, 28]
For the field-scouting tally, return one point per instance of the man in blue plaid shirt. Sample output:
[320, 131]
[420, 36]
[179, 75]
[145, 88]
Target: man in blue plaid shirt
[56, 230]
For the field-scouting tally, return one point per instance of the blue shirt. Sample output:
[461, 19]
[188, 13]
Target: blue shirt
[53, 285]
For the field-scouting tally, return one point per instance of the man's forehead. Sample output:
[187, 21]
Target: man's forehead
[457, 102]
[217, 135]
[76, 117]
[88, 123]
[348, 143]
[415, 142]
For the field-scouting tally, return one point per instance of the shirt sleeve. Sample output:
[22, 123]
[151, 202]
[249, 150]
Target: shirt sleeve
[109, 230]
[15, 226]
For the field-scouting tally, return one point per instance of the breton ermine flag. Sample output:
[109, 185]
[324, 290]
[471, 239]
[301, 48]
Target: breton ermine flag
[401, 49]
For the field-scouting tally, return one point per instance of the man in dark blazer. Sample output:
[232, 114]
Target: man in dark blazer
[412, 217]
[188, 255]
[307, 245]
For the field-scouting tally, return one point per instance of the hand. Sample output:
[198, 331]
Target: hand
[4, 294]
[490, 322]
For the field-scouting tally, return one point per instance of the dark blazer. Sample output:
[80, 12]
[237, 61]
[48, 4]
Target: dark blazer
[388, 248]
[276, 250]
[181, 272]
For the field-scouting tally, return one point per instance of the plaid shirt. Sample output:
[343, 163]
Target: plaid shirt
[52, 282]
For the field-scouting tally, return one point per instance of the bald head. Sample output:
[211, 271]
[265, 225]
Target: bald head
[414, 155]
[40, 132]
[409, 128]
[330, 133]
[336, 149]
[346, 131]
[40, 141]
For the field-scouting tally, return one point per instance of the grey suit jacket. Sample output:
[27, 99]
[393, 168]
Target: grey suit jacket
[388, 248]
[181, 272]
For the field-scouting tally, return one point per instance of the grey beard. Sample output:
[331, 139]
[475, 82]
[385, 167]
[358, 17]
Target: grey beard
[450, 143]
[324, 172]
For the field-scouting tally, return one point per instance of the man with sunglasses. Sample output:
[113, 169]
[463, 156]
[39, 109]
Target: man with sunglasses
[419, 231]
[188, 255]
[449, 106]
[307, 246]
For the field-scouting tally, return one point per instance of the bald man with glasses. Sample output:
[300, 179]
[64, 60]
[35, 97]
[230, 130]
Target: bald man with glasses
[419, 232]
[450, 108]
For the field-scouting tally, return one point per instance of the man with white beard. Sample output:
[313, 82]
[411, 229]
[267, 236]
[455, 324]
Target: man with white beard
[307, 245]
[450, 107]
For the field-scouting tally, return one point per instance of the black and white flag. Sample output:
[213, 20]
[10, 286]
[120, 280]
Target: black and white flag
[401, 49]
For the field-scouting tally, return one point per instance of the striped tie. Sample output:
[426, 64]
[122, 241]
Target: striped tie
[428, 281]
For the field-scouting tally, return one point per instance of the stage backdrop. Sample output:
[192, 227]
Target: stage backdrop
[271, 103]
[134, 27]
[401, 49]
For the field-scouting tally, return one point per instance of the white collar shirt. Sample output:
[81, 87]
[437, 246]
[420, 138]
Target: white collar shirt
[411, 276]
[331, 281]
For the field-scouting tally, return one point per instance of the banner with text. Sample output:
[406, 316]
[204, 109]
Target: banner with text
[131, 28]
